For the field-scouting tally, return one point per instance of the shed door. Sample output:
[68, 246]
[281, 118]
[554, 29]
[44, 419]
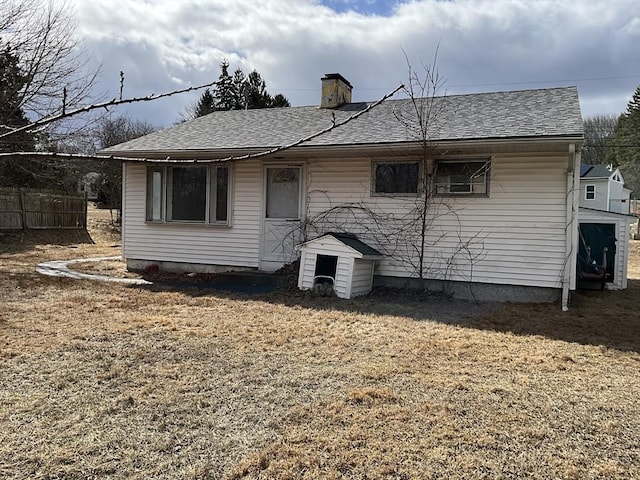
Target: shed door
[598, 236]
[281, 215]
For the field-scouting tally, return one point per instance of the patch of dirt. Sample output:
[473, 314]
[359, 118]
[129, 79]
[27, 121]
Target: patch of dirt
[111, 268]
[107, 381]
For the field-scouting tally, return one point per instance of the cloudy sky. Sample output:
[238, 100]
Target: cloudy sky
[485, 45]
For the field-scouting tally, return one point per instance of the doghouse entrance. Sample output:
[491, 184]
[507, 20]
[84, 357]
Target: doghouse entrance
[326, 267]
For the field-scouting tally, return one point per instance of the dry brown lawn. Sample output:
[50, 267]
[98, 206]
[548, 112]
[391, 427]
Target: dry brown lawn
[107, 381]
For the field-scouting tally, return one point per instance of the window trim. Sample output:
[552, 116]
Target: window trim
[406, 160]
[165, 195]
[487, 177]
[586, 191]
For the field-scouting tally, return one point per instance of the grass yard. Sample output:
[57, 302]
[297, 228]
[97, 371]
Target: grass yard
[107, 381]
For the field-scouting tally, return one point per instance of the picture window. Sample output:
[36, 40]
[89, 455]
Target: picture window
[396, 178]
[194, 194]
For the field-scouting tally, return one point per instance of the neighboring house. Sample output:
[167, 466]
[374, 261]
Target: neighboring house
[85, 185]
[602, 188]
[502, 176]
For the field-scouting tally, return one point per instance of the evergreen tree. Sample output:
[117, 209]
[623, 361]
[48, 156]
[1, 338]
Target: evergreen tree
[206, 104]
[625, 147]
[279, 101]
[239, 89]
[225, 92]
[257, 96]
[237, 92]
[12, 82]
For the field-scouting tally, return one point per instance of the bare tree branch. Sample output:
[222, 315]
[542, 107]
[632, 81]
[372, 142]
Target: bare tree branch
[170, 159]
[111, 103]
[52, 63]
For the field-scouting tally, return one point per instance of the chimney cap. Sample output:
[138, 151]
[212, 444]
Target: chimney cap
[336, 76]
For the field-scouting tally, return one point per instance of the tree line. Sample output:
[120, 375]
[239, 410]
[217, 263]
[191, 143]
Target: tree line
[235, 92]
[615, 140]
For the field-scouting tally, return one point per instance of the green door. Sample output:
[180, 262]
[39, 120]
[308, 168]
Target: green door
[594, 238]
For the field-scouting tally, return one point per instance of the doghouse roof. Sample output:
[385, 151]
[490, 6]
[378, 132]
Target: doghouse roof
[341, 244]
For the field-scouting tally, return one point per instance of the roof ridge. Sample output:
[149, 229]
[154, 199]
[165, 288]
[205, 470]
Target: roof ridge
[499, 92]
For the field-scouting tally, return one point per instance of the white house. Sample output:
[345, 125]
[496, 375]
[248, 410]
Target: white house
[602, 188]
[499, 180]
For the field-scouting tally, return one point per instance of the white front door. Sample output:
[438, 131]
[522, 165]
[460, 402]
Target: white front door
[281, 230]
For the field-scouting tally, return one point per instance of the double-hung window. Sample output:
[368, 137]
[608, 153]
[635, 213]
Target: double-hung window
[396, 177]
[462, 177]
[194, 194]
[590, 192]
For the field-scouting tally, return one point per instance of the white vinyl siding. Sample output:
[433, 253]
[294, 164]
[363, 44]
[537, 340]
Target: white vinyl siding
[343, 277]
[235, 245]
[618, 198]
[517, 234]
[362, 280]
[519, 231]
[307, 270]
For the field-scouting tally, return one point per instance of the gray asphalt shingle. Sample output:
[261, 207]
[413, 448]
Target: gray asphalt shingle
[595, 171]
[519, 114]
[352, 241]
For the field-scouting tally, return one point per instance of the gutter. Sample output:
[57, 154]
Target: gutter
[205, 155]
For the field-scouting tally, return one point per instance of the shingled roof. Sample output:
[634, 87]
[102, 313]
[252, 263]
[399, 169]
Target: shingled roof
[553, 112]
[596, 171]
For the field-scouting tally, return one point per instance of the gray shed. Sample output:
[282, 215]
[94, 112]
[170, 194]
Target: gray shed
[339, 259]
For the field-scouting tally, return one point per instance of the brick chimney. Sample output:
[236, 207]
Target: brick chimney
[336, 91]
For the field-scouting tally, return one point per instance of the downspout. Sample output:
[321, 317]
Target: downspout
[123, 209]
[571, 231]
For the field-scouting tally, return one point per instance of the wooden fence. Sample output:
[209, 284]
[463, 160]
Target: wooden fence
[22, 209]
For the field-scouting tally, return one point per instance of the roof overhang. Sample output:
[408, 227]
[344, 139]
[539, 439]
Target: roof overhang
[606, 214]
[557, 144]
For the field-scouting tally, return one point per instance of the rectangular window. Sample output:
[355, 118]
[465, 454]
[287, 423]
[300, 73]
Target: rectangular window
[155, 188]
[283, 192]
[590, 192]
[462, 177]
[220, 195]
[187, 192]
[197, 194]
[396, 177]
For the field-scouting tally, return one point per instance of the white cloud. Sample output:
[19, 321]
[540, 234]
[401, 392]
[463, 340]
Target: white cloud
[484, 45]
